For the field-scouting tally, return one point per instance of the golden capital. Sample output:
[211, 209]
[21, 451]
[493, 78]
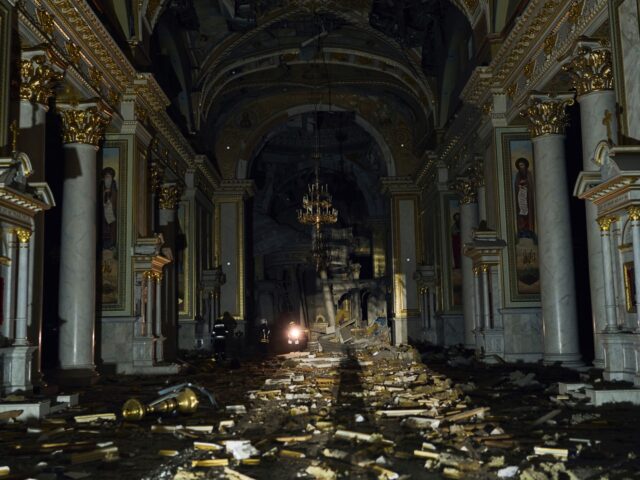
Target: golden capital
[466, 188]
[591, 69]
[170, 196]
[85, 122]
[605, 223]
[485, 267]
[634, 212]
[157, 276]
[157, 174]
[546, 114]
[476, 270]
[39, 71]
[23, 234]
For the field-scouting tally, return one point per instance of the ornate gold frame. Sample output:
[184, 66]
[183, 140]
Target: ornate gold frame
[628, 287]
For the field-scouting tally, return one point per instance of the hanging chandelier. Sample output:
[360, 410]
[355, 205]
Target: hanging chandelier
[317, 210]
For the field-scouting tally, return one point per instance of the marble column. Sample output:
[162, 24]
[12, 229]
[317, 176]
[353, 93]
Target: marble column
[151, 304]
[476, 299]
[591, 73]
[22, 294]
[634, 217]
[486, 305]
[466, 187]
[41, 69]
[83, 129]
[169, 199]
[9, 312]
[159, 345]
[557, 283]
[606, 260]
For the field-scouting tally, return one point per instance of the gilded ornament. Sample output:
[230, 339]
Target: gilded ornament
[487, 108]
[485, 267]
[23, 234]
[528, 69]
[591, 70]
[45, 20]
[547, 117]
[466, 188]
[476, 270]
[605, 223]
[575, 10]
[15, 131]
[634, 213]
[84, 125]
[157, 173]
[511, 90]
[550, 43]
[157, 276]
[95, 77]
[37, 79]
[170, 196]
[73, 52]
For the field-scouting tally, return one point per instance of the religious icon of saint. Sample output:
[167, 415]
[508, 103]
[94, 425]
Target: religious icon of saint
[524, 190]
[109, 197]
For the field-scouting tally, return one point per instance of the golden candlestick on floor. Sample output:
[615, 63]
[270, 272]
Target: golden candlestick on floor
[184, 402]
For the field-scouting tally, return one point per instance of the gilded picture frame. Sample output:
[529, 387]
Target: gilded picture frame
[112, 225]
[518, 218]
[629, 287]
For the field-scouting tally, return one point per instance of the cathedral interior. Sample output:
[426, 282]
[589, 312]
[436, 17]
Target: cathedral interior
[319, 239]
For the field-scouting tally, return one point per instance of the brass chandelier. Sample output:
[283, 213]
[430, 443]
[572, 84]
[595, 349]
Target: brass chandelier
[317, 210]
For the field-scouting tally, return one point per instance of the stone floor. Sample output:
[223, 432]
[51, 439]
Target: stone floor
[379, 413]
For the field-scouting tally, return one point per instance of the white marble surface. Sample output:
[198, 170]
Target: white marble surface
[468, 221]
[522, 334]
[32, 122]
[557, 282]
[630, 39]
[593, 107]
[229, 292]
[78, 258]
[16, 367]
[450, 328]
[609, 294]
[9, 306]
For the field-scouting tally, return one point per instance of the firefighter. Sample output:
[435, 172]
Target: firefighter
[264, 334]
[219, 334]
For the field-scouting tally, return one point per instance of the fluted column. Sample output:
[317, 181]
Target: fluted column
[169, 196]
[634, 217]
[557, 284]
[83, 128]
[591, 73]
[466, 187]
[22, 295]
[476, 298]
[606, 259]
[11, 269]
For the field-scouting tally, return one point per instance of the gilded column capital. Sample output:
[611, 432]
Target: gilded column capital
[40, 70]
[466, 188]
[546, 114]
[170, 194]
[634, 213]
[591, 68]
[24, 235]
[605, 223]
[485, 267]
[157, 174]
[85, 122]
[476, 270]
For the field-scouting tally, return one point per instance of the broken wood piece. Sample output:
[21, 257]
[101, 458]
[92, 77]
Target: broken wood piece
[250, 461]
[106, 454]
[476, 412]
[294, 439]
[110, 417]
[425, 454]
[291, 454]
[546, 417]
[168, 453]
[207, 446]
[450, 472]
[561, 453]
[210, 462]
[365, 437]
[10, 414]
[235, 475]
[402, 413]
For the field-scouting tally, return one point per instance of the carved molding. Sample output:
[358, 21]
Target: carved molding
[40, 70]
[170, 194]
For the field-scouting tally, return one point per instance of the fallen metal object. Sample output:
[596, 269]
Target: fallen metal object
[185, 401]
[193, 386]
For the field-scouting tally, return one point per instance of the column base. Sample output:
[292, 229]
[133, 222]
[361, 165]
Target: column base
[159, 349]
[15, 363]
[76, 377]
[143, 351]
[567, 360]
[611, 329]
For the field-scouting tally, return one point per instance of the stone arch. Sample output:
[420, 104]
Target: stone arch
[243, 166]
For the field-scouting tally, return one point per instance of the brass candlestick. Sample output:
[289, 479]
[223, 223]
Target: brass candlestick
[184, 402]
